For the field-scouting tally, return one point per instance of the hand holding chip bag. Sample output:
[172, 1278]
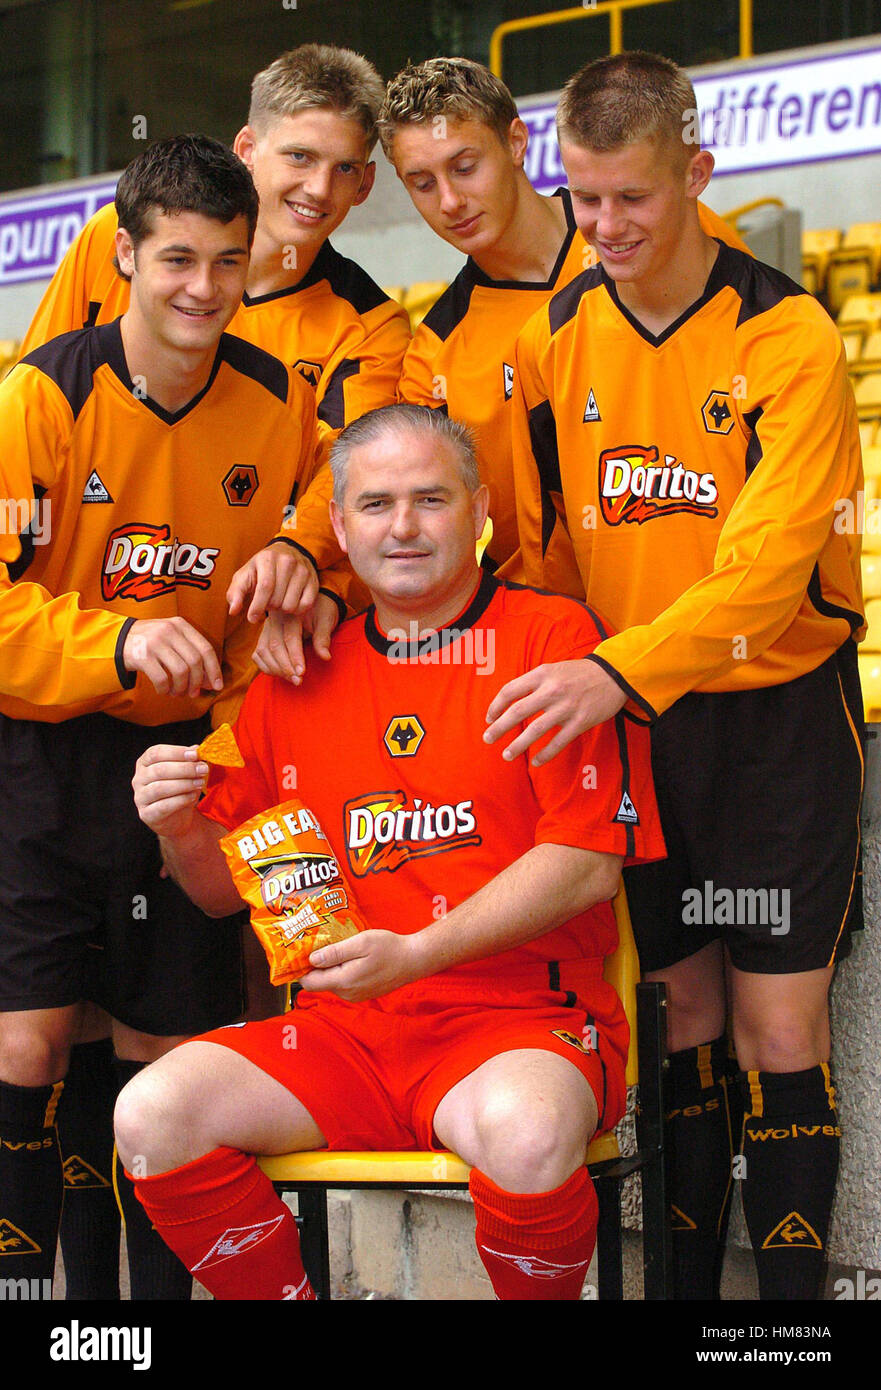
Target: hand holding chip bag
[284, 868]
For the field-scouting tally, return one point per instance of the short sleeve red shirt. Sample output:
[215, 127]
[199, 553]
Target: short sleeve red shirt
[384, 745]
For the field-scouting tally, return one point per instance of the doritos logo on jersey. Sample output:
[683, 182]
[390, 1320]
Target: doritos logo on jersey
[635, 487]
[240, 484]
[141, 561]
[383, 831]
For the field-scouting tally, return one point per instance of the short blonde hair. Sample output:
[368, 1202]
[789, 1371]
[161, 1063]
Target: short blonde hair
[313, 75]
[453, 87]
[618, 100]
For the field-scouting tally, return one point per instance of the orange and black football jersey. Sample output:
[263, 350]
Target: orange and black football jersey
[384, 745]
[462, 359]
[337, 328]
[126, 511]
[705, 477]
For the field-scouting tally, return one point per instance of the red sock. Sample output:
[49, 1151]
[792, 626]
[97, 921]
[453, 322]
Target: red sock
[536, 1245]
[221, 1216]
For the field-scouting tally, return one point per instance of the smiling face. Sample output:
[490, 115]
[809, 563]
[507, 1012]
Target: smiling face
[634, 204]
[309, 170]
[462, 178]
[410, 526]
[187, 279]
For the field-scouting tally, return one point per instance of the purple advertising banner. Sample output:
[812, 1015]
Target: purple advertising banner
[757, 116]
[36, 231]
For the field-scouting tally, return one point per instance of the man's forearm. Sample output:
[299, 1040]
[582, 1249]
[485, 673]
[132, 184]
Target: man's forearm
[542, 889]
[198, 866]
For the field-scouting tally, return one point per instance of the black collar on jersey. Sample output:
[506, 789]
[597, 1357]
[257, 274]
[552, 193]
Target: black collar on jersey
[111, 350]
[432, 641]
[473, 271]
[320, 269]
[718, 278]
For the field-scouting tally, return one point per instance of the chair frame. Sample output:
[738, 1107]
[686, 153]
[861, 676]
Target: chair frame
[608, 1175]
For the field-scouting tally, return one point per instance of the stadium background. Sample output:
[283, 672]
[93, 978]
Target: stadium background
[84, 82]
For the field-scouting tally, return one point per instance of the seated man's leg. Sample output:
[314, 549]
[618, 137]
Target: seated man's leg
[34, 1051]
[187, 1127]
[791, 1134]
[524, 1120]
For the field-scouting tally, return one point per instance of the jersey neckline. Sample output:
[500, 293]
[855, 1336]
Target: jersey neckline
[718, 278]
[112, 352]
[479, 277]
[318, 270]
[401, 650]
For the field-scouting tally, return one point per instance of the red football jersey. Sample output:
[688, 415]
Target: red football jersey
[384, 745]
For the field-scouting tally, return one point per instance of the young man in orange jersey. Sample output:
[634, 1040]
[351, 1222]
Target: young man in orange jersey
[151, 456]
[685, 412]
[308, 139]
[310, 132]
[451, 129]
[470, 1029]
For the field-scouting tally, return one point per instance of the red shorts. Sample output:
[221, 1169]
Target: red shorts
[372, 1074]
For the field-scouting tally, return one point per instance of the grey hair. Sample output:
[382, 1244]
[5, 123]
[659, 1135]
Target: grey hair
[402, 420]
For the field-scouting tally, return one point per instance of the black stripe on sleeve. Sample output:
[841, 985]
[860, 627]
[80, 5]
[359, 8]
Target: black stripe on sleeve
[332, 409]
[26, 540]
[126, 678]
[543, 436]
[623, 685]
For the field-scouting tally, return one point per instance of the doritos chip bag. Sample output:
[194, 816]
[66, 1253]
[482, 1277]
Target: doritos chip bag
[284, 868]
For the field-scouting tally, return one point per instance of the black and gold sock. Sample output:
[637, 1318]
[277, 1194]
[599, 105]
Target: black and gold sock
[698, 1139]
[90, 1224]
[30, 1182]
[791, 1144]
[155, 1272]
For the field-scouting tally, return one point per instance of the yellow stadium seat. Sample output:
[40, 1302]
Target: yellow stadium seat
[311, 1174]
[872, 640]
[870, 565]
[817, 245]
[862, 309]
[419, 298]
[869, 359]
[852, 337]
[870, 520]
[865, 237]
[867, 393]
[872, 461]
[9, 350]
[849, 273]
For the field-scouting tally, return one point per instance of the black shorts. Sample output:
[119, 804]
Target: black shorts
[84, 913]
[759, 793]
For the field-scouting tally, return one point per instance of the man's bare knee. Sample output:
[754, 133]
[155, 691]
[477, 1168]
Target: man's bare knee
[156, 1122]
[531, 1147]
[35, 1046]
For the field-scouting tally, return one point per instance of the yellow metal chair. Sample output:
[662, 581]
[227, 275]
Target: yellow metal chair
[817, 245]
[311, 1174]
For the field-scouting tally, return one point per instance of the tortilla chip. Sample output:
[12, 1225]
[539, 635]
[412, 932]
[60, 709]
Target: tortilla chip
[220, 747]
